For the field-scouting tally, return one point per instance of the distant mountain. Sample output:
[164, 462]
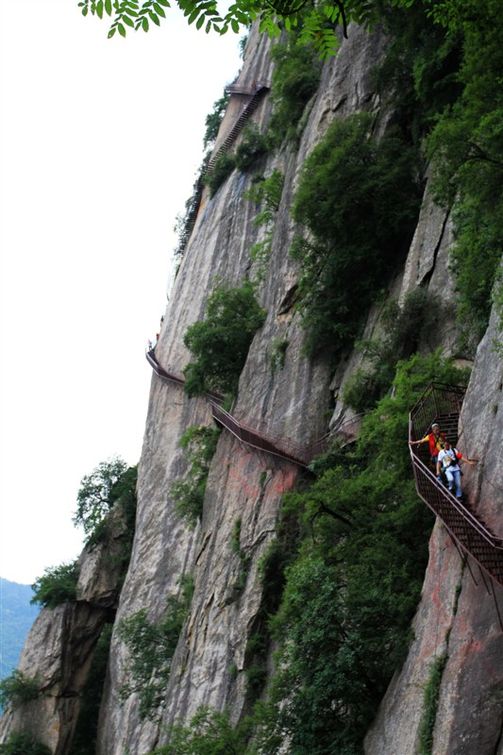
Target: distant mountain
[16, 618]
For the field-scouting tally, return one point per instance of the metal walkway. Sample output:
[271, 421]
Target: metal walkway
[471, 535]
[255, 94]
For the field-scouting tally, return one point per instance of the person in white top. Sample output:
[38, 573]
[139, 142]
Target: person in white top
[448, 462]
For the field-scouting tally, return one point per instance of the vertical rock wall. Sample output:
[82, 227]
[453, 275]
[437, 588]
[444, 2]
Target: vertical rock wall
[456, 617]
[291, 403]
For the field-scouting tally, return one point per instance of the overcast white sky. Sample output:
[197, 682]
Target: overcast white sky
[100, 141]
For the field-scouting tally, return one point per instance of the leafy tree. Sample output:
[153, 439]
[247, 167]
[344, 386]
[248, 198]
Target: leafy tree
[18, 688]
[316, 24]
[359, 199]
[57, 585]
[214, 119]
[295, 78]
[209, 733]
[220, 343]
[99, 491]
[23, 744]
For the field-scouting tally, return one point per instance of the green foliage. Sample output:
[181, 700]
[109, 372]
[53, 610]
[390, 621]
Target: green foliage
[23, 744]
[98, 493]
[151, 648]
[419, 73]
[316, 25]
[223, 167]
[265, 192]
[84, 740]
[200, 444]
[359, 200]
[219, 344]
[466, 147]
[430, 704]
[214, 119]
[209, 733]
[351, 591]
[278, 353]
[244, 560]
[57, 585]
[18, 688]
[252, 146]
[294, 81]
[184, 223]
[404, 328]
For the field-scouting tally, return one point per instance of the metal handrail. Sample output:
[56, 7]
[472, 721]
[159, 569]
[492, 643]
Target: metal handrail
[283, 447]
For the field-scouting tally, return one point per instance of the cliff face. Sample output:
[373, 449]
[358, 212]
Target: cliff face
[296, 402]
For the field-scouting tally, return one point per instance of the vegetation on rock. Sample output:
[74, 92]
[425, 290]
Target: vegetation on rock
[295, 79]
[110, 481]
[18, 688]
[208, 733]
[353, 580]
[359, 199]
[23, 744]
[200, 444]
[219, 344]
[151, 648]
[57, 585]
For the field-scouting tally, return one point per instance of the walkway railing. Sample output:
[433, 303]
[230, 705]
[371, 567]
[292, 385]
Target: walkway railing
[284, 448]
[256, 94]
[473, 538]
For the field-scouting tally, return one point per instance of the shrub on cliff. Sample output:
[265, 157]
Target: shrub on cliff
[23, 744]
[220, 342]
[359, 199]
[110, 482]
[295, 79]
[151, 648]
[208, 733]
[200, 444]
[18, 688]
[57, 585]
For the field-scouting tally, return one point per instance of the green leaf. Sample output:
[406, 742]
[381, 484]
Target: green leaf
[235, 26]
[200, 22]
[193, 15]
[128, 21]
[122, 30]
[160, 10]
[165, 3]
[108, 7]
[144, 23]
[85, 10]
[111, 32]
[99, 9]
[154, 18]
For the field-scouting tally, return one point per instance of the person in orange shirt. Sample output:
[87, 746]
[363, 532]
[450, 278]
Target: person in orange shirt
[436, 442]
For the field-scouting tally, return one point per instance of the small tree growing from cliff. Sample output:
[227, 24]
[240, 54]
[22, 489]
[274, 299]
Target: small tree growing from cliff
[220, 342]
[23, 744]
[99, 491]
[57, 585]
[18, 688]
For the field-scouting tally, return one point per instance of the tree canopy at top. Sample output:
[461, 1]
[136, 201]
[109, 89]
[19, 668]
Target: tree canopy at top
[317, 24]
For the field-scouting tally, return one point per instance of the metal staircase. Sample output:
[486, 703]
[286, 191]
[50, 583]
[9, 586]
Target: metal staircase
[470, 534]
